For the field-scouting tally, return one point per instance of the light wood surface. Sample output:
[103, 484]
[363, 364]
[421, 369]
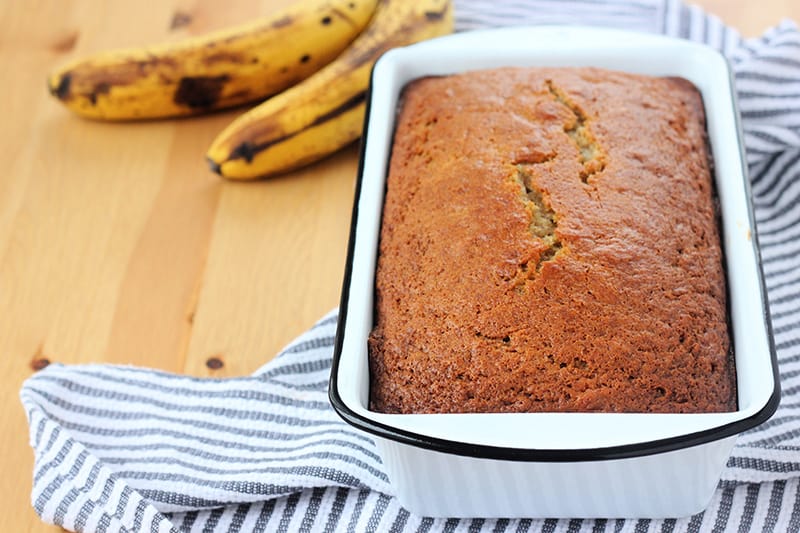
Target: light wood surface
[118, 245]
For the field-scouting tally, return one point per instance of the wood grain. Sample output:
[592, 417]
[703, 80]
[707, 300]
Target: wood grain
[117, 244]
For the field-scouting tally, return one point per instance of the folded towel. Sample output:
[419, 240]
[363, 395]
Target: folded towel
[126, 449]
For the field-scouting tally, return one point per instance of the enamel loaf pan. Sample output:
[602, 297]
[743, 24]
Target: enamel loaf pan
[557, 464]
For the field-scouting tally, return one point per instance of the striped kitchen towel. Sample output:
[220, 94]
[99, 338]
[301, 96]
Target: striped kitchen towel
[127, 449]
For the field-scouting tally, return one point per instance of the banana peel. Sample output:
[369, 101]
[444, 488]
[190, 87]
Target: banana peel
[227, 68]
[325, 112]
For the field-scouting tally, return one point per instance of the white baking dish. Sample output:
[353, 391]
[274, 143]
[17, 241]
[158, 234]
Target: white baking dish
[557, 464]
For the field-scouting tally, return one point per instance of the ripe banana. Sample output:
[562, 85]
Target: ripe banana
[222, 69]
[326, 111]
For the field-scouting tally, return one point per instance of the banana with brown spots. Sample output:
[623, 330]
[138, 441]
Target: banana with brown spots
[222, 69]
[324, 112]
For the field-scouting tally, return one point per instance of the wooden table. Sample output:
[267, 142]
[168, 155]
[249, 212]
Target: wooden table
[118, 245]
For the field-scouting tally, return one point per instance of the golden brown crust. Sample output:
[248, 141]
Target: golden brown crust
[549, 243]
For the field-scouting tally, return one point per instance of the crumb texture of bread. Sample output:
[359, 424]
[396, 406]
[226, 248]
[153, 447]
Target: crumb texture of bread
[549, 243]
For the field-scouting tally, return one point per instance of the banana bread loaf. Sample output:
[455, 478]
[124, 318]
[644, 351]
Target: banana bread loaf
[550, 243]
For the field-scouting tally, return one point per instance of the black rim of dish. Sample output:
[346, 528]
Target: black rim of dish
[539, 454]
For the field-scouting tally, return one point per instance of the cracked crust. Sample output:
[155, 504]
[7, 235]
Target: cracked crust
[549, 243]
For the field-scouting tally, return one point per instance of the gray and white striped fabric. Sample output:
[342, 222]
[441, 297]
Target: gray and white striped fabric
[127, 449]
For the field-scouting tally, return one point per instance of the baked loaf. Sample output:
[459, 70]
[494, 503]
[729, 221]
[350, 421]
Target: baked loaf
[550, 243]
